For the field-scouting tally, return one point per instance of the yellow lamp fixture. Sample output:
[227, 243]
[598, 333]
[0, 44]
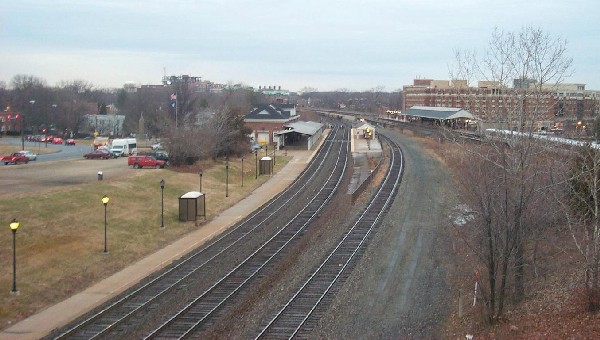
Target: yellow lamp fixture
[14, 224]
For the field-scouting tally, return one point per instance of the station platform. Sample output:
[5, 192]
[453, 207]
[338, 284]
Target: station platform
[362, 149]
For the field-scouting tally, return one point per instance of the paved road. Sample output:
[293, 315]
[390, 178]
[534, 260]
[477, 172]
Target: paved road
[60, 151]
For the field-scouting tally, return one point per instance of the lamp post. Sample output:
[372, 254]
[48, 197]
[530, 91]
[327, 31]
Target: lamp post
[200, 173]
[162, 210]
[256, 164]
[105, 200]
[274, 149]
[242, 172]
[227, 178]
[14, 225]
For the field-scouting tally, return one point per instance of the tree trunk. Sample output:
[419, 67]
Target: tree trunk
[519, 272]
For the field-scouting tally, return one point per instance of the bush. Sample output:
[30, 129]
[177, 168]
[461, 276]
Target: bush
[588, 298]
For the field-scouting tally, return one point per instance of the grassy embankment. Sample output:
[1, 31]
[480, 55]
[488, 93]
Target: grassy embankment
[60, 241]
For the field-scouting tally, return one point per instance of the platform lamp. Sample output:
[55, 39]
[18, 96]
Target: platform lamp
[200, 174]
[162, 207]
[14, 225]
[105, 200]
[227, 178]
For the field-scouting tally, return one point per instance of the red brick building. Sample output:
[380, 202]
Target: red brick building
[491, 100]
[264, 120]
[10, 123]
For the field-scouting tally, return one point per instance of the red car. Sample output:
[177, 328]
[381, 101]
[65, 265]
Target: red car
[15, 158]
[70, 141]
[57, 140]
[140, 161]
[97, 154]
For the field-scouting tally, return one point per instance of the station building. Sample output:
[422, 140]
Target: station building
[265, 120]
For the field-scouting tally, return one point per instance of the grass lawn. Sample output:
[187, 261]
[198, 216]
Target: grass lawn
[60, 241]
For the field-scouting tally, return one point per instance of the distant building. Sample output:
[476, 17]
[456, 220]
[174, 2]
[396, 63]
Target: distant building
[491, 99]
[275, 94]
[130, 87]
[195, 84]
[10, 122]
[265, 120]
[364, 130]
[110, 125]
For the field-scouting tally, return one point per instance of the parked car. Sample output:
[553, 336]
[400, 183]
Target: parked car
[140, 161]
[70, 141]
[156, 146]
[254, 146]
[160, 155]
[57, 140]
[14, 158]
[98, 154]
[30, 155]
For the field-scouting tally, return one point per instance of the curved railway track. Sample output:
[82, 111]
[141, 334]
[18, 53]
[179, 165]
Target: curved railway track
[123, 311]
[299, 315]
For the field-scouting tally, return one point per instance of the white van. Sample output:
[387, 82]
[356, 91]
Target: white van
[123, 146]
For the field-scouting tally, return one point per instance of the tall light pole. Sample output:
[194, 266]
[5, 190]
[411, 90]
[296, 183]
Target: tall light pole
[14, 225]
[200, 174]
[54, 106]
[242, 172]
[227, 178]
[105, 200]
[162, 210]
[256, 164]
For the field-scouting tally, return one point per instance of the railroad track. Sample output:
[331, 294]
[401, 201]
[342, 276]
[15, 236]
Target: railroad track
[299, 315]
[124, 312]
[198, 312]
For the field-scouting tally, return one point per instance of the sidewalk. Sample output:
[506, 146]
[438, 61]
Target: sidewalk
[41, 324]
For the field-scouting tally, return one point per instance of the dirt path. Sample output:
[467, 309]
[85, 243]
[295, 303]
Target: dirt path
[398, 289]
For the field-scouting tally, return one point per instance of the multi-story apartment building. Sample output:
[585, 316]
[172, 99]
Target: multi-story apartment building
[492, 101]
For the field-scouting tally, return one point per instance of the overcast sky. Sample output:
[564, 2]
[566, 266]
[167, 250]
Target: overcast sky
[327, 45]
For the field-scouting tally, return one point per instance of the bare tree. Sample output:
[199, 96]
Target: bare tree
[514, 166]
[582, 208]
[227, 133]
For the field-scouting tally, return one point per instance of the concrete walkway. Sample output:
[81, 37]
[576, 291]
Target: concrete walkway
[41, 324]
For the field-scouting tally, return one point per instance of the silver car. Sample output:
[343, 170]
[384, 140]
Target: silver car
[32, 156]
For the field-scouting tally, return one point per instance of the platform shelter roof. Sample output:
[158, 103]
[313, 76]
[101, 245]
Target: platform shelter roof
[305, 128]
[440, 113]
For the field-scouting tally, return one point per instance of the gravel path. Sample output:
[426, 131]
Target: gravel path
[398, 289]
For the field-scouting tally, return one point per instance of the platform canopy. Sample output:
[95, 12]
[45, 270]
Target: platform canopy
[440, 113]
[305, 128]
